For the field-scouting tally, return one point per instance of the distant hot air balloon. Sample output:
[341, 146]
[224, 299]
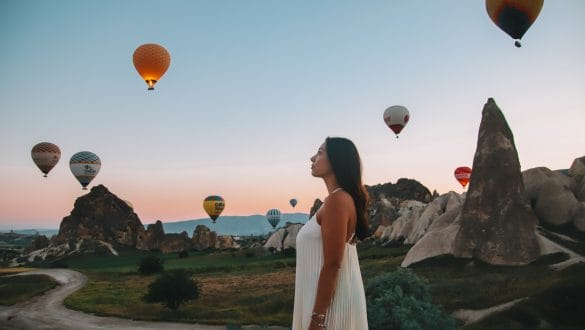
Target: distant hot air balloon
[293, 202]
[45, 155]
[214, 205]
[462, 174]
[151, 62]
[514, 16]
[273, 217]
[85, 166]
[396, 118]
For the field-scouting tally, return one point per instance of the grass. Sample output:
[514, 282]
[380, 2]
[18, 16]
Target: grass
[239, 287]
[15, 289]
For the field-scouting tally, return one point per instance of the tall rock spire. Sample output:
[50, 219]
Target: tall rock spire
[497, 222]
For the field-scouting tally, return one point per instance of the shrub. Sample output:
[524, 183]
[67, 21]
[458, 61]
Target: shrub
[183, 254]
[150, 265]
[172, 289]
[401, 300]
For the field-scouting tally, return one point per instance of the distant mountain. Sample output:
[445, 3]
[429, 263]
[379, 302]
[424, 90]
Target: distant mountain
[46, 232]
[252, 225]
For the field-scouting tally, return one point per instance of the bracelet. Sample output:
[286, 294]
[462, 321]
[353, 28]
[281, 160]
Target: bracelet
[320, 325]
[320, 316]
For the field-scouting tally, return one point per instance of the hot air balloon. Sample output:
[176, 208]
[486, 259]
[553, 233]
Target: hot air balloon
[85, 166]
[293, 202]
[396, 118]
[462, 174]
[151, 61]
[514, 16]
[213, 205]
[273, 217]
[45, 155]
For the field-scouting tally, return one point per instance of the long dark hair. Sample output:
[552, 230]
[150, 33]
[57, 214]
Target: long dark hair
[347, 167]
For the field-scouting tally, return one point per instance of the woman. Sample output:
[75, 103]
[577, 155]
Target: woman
[329, 291]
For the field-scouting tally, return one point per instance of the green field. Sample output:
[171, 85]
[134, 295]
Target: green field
[243, 287]
[15, 289]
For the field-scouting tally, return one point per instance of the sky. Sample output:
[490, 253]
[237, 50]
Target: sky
[254, 88]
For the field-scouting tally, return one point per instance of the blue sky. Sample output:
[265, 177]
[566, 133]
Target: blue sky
[254, 87]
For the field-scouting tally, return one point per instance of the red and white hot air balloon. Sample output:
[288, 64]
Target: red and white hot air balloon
[45, 155]
[396, 118]
[463, 174]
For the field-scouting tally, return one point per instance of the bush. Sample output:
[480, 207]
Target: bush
[183, 254]
[401, 300]
[172, 289]
[150, 265]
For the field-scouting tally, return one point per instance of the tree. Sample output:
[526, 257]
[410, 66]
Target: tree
[401, 300]
[172, 289]
[150, 265]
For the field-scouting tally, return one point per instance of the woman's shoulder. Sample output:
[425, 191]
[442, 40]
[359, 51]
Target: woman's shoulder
[339, 200]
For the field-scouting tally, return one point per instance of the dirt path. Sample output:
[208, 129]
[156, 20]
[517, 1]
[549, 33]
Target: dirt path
[47, 311]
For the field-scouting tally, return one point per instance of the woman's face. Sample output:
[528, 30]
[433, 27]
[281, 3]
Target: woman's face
[320, 166]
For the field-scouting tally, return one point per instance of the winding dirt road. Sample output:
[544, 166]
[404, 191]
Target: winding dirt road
[47, 311]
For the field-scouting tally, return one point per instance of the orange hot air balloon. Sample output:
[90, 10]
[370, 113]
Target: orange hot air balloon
[514, 16]
[151, 62]
[462, 174]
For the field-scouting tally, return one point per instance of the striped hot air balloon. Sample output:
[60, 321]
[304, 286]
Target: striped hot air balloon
[273, 217]
[45, 155]
[85, 166]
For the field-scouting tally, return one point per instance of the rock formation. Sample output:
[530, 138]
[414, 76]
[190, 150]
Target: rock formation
[284, 238]
[102, 216]
[152, 238]
[497, 223]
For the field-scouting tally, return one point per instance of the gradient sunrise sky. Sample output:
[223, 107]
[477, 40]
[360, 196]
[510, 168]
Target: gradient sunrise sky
[253, 89]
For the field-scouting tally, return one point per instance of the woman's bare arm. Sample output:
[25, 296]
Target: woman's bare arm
[334, 219]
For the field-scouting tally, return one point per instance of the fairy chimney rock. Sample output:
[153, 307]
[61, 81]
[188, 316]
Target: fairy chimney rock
[497, 222]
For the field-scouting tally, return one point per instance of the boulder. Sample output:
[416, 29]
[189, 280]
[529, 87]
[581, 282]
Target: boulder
[577, 173]
[439, 239]
[577, 169]
[579, 216]
[284, 238]
[403, 189]
[175, 243]
[203, 238]
[152, 238]
[225, 242]
[555, 203]
[497, 223]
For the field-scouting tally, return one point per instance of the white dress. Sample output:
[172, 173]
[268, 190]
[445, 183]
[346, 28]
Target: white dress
[348, 308]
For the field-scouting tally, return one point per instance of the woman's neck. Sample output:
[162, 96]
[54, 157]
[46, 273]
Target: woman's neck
[331, 184]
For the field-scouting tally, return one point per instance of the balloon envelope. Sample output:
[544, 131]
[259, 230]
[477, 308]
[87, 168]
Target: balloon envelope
[514, 16]
[273, 217]
[213, 205]
[45, 155]
[85, 166]
[151, 61]
[293, 202]
[396, 118]
[462, 174]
